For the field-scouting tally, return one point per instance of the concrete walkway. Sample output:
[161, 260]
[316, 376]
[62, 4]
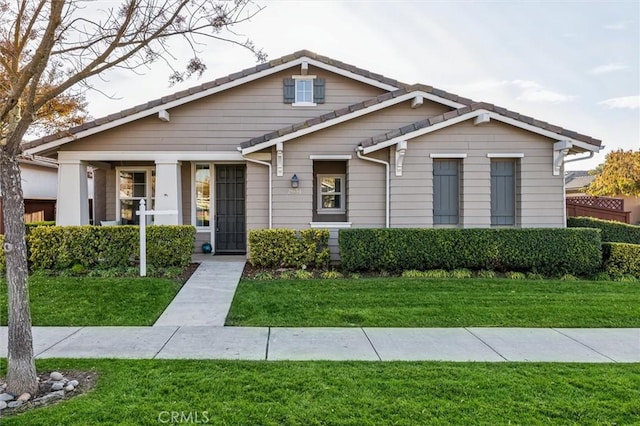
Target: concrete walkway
[192, 327]
[363, 344]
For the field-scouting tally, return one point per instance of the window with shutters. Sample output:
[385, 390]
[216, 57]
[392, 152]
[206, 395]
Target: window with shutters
[503, 192]
[304, 90]
[446, 191]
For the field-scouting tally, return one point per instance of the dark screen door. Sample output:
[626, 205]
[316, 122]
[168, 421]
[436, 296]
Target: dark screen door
[230, 209]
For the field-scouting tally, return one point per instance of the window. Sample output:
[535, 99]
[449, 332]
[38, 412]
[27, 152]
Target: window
[331, 194]
[503, 192]
[304, 90]
[446, 191]
[133, 186]
[203, 195]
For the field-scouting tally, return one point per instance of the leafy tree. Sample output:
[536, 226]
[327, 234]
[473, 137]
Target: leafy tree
[48, 51]
[618, 175]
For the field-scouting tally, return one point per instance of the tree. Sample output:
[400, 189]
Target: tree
[48, 52]
[619, 175]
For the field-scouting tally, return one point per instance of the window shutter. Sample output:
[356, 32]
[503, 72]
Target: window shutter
[289, 90]
[502, 193]
[318, 90]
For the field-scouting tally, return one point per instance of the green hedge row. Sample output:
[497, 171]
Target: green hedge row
[287, 248]
[60, 247]
[547, 251]
[612, 231]
[621, 259]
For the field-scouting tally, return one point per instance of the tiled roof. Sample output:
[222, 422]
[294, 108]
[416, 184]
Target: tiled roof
[210, 85]
[577, 179]
[474, 107]
[353, 108]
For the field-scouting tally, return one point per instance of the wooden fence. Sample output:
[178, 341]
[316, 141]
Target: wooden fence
[599, 207]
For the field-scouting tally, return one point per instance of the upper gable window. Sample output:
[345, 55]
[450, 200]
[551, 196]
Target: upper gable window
[304, 90]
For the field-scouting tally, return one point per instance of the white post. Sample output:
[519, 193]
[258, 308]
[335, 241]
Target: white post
[143, 239]
[73, 198]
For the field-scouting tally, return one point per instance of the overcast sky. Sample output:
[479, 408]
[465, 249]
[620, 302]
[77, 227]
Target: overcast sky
[575, 64]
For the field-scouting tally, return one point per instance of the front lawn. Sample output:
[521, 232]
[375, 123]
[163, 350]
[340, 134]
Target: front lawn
[89, 301]
[405, 302]
[356, 393]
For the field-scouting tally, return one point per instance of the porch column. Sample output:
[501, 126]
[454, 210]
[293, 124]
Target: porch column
[168, 189]
[73, 193]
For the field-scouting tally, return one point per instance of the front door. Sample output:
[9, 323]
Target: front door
[230, 204]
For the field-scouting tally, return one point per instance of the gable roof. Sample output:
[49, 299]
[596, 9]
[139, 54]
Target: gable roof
[352, 111]
[476, 109]
[577, 179]
[209, 88]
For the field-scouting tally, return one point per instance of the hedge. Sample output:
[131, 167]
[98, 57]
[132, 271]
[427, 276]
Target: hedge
[547, 251]
[621, 259]
[287, 248]
[612, 231]
[60, 247]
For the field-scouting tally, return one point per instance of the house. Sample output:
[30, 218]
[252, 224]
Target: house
[307, 141]
[576, 182]
[39, 186]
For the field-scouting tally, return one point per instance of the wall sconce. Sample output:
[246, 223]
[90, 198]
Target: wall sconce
[295, 182]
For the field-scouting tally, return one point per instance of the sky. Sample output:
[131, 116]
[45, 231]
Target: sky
[575, 64]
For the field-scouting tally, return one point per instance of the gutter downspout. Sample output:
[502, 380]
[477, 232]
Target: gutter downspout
[386, 163]
[264, 163]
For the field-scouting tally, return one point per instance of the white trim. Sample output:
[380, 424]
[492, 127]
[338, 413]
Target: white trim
[203, 229]
[307, 79]
[322, 157]
[505, 155]
[202, 94]
[473, 114]
[304, 104]
[164, 115]
[342, 193]
[401, 150]
[330, 225]
[150, 156]
[279, 160]
[451, 155]
[303, 77]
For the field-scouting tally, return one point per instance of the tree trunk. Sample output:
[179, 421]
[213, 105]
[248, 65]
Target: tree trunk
[21, 369]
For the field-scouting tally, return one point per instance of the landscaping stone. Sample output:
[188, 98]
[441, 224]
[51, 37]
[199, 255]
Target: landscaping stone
[69, 388]
[15, 404]
[3, 405]
[57, 386]
[73, 383]
[24, 397]
[49, 397]
[6, 397]
[56, 376]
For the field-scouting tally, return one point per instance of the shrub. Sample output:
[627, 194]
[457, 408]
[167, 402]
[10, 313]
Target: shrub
[514, 275]
[548, 251]
[286, 248]
[485, 274]
[331, 275]
[534, 276]
[263, 276]
[601, 276]
[60, 247]
[568, 277]
[460, 273]
[436, 273]
[32, 225]
[413, 273]
[612, 231]
[303, 274]
[621, 259]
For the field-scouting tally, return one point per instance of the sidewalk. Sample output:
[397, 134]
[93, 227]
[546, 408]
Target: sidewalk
[192, 327]
[337, 344]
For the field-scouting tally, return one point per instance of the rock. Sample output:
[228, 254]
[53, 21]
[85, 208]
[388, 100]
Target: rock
[56, 376]
[69, 388]
[73, 383]
[49, 397]
[57, 386]
[6, 397]
[3, 405]
[15, 404]
[24, 397]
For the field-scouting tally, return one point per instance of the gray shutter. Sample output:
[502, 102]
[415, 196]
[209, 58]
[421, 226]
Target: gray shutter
[503, 205]
[446, 188]
[318, 90]
[289, 90]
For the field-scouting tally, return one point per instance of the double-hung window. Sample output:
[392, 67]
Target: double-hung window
[304, 90]
[331, 195]
[134, 185]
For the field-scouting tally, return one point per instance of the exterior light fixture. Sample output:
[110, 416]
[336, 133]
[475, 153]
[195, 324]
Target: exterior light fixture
[295, 182]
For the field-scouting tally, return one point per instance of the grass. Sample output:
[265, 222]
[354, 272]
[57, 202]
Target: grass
[356, 393]
[403, 302]
[88, 301]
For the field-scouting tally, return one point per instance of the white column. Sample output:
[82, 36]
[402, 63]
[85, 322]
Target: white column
[73, 193]
[168, 189]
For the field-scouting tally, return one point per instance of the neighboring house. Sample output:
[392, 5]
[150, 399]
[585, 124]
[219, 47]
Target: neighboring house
[307, 141]
[576, 182]
[39, 186]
